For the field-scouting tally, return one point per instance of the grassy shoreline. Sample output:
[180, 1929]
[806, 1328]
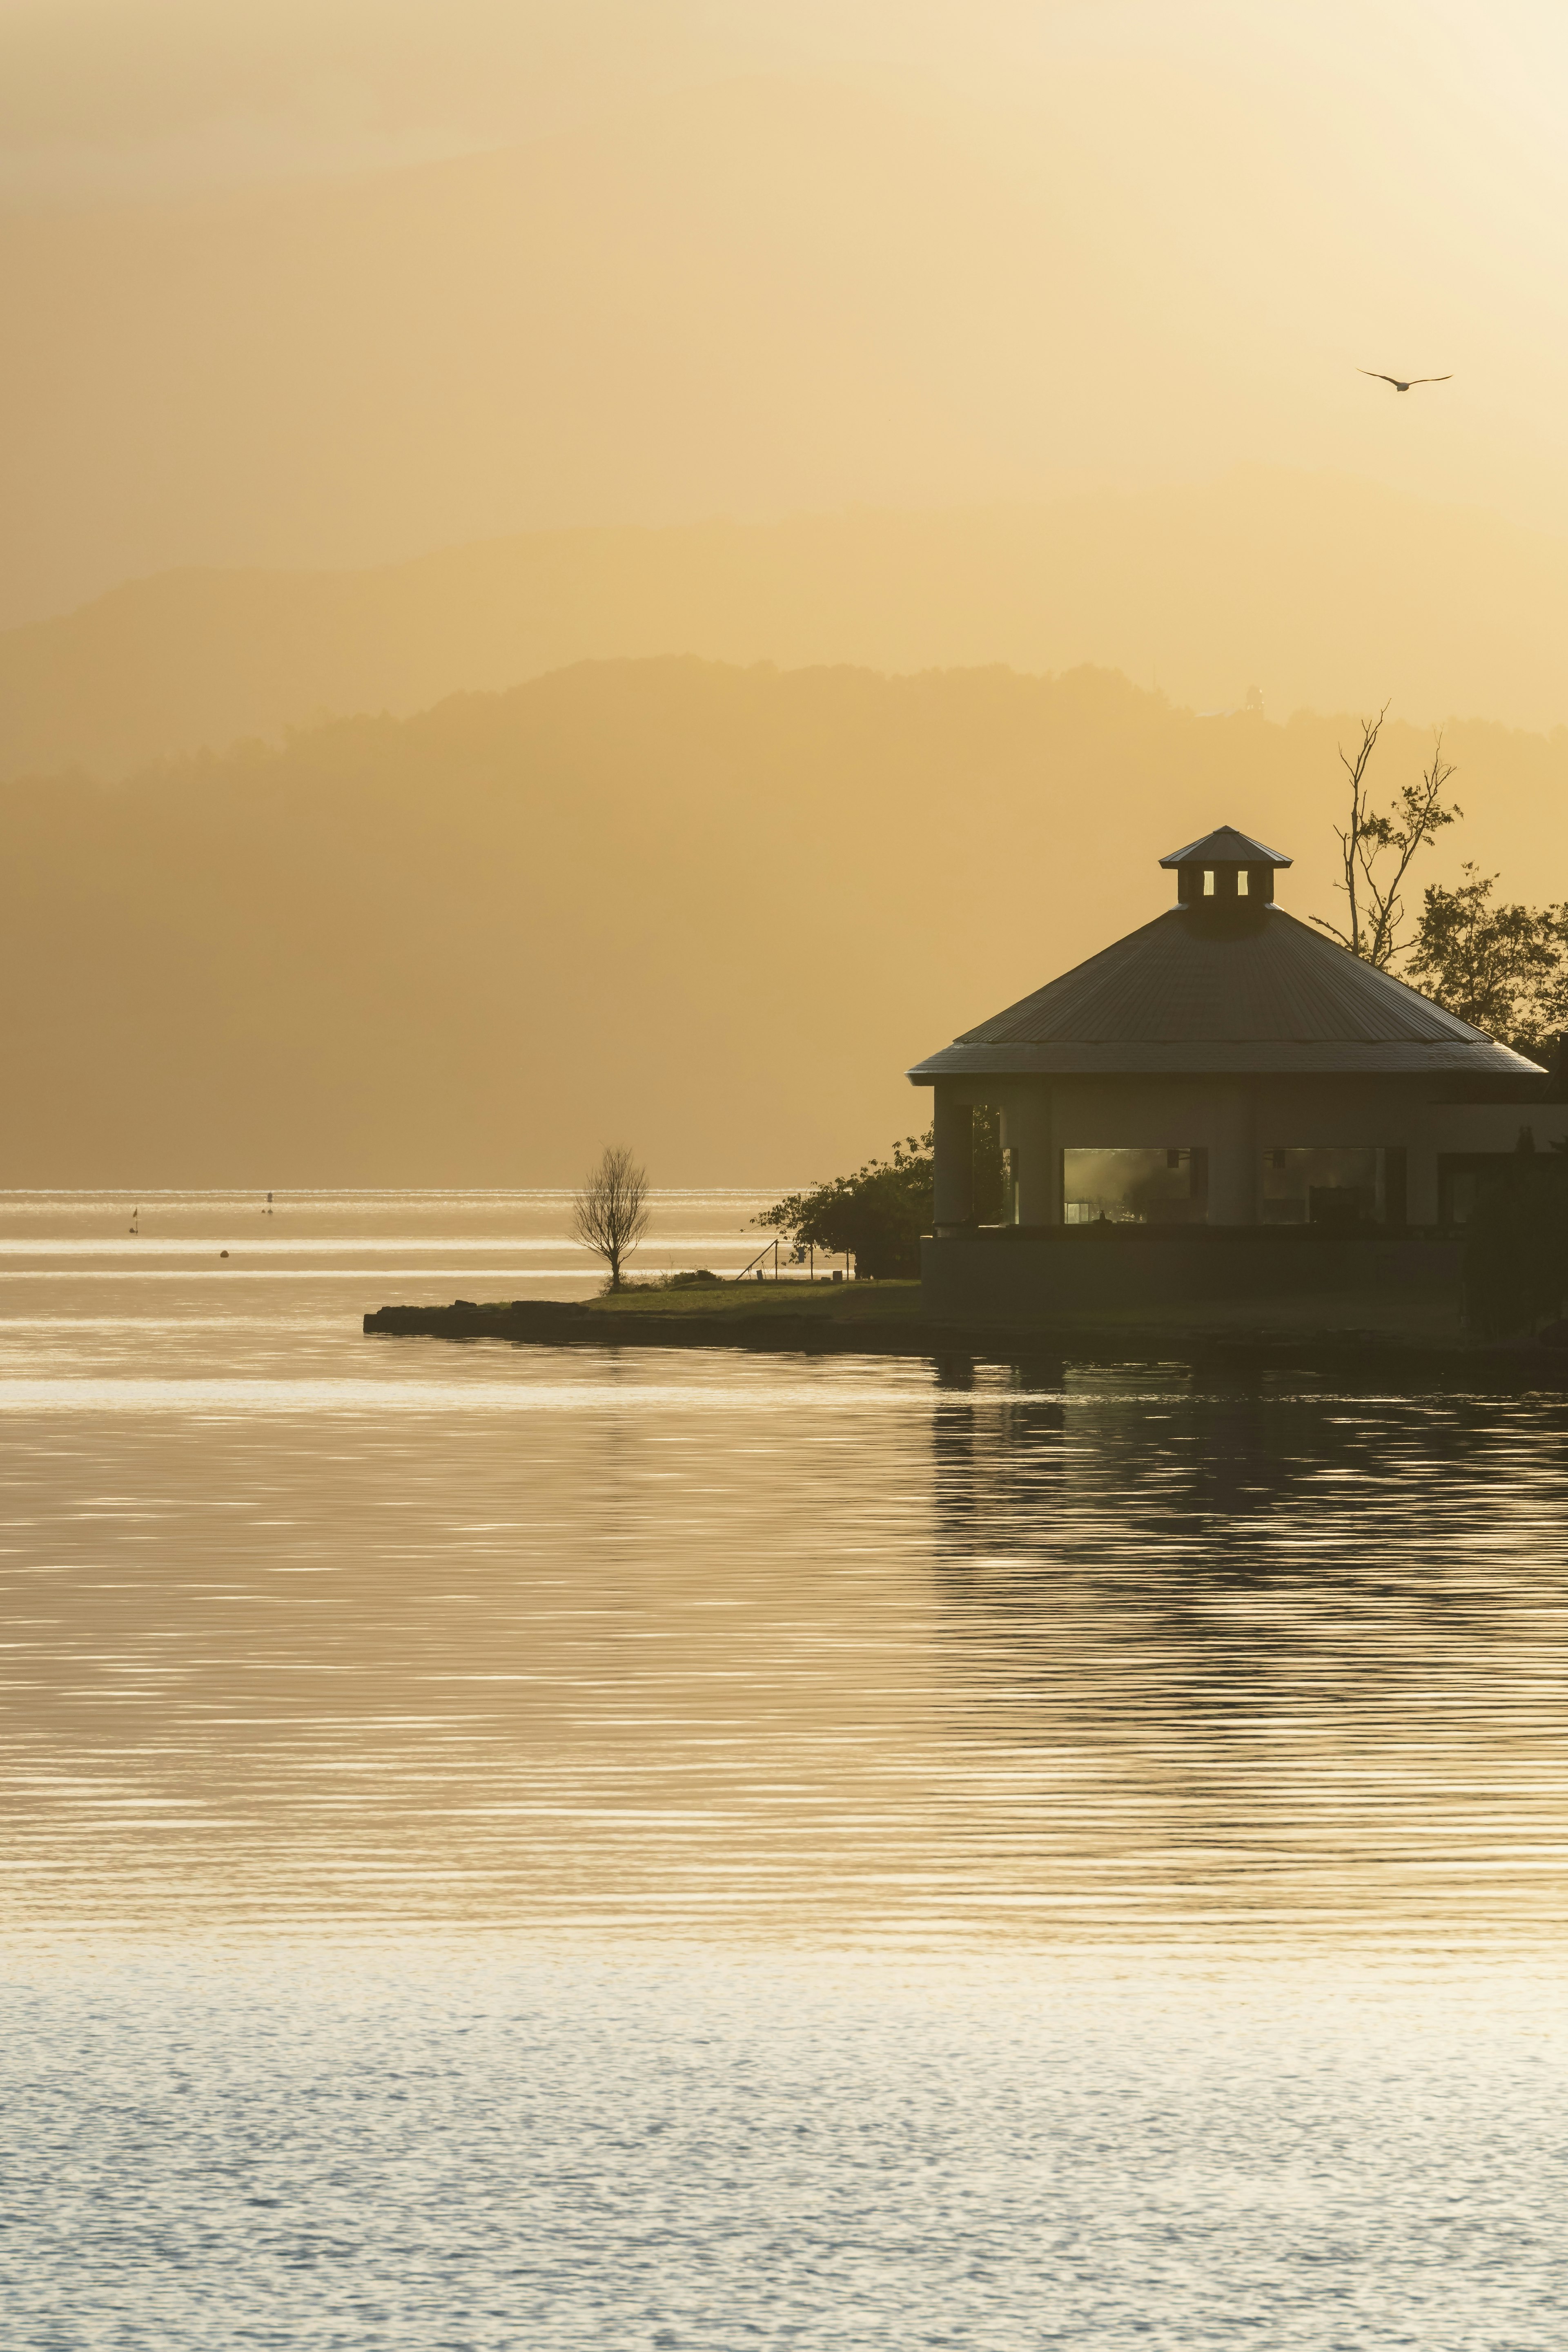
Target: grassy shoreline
[858, 1301]
[1399, 1319]
[1330, 1337]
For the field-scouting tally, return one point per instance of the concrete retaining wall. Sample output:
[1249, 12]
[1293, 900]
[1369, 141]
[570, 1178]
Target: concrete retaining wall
[1019, 1274]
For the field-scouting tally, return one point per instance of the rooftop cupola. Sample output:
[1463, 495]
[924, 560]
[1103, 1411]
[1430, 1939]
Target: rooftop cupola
[1226, 873]
[1223, 985]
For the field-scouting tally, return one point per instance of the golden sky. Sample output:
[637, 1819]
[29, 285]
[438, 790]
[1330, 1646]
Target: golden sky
[1049, 315]
[339, 282]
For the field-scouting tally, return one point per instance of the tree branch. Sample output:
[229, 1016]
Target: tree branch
[1372, 890]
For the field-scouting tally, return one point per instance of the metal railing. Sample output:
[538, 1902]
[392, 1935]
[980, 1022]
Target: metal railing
[806, 1255]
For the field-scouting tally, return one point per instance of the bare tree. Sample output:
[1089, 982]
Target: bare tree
[610, 1214]
[1375, 850]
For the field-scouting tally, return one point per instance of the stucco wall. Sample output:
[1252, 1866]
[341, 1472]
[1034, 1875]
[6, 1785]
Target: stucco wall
[1235, 1120]
[1299, 1274]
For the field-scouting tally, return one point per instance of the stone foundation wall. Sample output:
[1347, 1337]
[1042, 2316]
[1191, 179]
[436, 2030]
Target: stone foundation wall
[1015, 1273]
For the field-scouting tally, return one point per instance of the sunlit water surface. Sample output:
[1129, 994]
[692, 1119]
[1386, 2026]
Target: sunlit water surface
[514, 1847]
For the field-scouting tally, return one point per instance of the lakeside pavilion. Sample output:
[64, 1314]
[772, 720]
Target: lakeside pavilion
[1224, 1067]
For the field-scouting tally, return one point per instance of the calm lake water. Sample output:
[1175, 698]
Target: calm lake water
[512, 1847]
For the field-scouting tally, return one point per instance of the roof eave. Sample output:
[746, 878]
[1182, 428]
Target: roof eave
[1449, 1057]
[1227, 845]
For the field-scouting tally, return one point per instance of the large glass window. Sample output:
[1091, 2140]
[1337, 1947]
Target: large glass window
[1306, 1184]
[1154, 1184]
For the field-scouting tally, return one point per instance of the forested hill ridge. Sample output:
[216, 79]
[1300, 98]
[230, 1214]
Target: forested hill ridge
[712, 911]
[1326, 592]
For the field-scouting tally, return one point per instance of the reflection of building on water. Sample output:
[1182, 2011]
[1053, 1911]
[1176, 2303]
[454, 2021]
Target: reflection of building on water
[1224, 1066]
[1020, 1454]
[1053, 1469]
[1208, 1653]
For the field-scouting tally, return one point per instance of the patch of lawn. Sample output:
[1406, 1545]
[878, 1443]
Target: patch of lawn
[879, 1299]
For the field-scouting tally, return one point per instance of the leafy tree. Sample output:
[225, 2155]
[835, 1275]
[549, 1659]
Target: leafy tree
[1503, 968]
[877, 1215]
[1376, 848]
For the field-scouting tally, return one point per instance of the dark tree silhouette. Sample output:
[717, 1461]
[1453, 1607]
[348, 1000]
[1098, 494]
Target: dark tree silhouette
[1504, 968]
[1516, 1244]
[1376, 849]
[610, 1213]
[876, 1216]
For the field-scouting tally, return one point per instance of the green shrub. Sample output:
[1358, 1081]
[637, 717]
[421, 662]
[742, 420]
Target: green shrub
[876, 1216]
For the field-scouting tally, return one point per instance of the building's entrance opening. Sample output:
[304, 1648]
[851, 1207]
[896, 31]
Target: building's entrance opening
[1463, 1177]
[1135, 1184]
[1320, 1185]
[1459, 1187]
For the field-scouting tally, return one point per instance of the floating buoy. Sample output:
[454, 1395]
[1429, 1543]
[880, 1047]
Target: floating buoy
[223, 1253]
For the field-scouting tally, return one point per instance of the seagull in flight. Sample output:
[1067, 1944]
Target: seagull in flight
[1394, 380]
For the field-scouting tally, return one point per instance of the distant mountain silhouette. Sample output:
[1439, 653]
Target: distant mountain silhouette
[1331, 593]
[713, 910]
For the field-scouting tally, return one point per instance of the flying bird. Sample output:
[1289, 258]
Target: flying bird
[1394, 380]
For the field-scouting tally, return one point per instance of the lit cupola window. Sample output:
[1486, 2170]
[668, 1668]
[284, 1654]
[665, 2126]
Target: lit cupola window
[1224, 866]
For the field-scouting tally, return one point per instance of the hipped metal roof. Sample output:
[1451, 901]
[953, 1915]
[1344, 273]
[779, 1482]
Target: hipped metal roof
[1183, 997]
[1226, 846]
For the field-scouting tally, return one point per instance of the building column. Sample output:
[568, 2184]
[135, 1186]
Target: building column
[954, 1125]
[1233, 1170]
[1421, 1203]
[1027, 1132]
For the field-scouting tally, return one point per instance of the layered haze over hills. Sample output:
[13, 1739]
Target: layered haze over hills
[774, 428]
[717, 910]
[1318, 591]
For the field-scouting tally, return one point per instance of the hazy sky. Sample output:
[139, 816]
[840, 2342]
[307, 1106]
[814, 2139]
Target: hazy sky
[1152, 238]
[332, 282]
[1467, 98]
